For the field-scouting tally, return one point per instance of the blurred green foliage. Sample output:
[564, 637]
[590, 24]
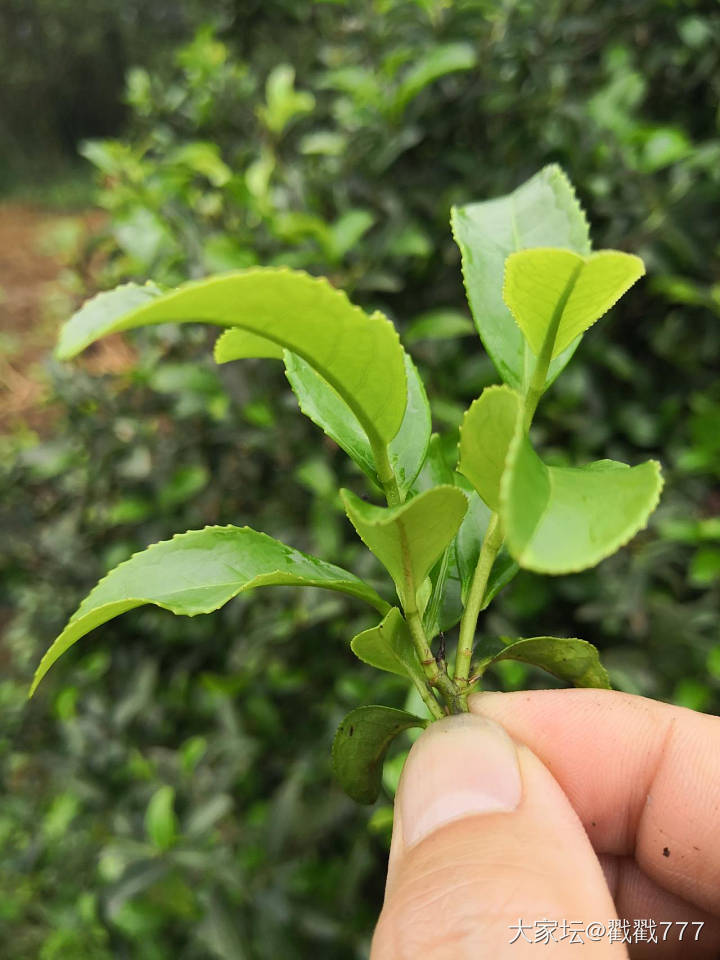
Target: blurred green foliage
[169, 792]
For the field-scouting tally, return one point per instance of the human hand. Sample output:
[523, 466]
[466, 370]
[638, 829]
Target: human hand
[603, 805]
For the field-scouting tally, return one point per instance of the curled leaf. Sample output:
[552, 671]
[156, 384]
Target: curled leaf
[360, 745]
[575, 661]
[408, 539]
[555, 295]
[358, 355]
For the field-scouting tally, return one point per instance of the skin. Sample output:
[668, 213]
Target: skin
[619, 815]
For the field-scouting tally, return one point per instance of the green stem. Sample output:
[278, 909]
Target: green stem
[537, 386]
[386, 476]
[489, 550]
[427, 658]
[428, 698]
[385, 473]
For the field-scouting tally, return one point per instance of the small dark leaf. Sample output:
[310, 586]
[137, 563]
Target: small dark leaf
[575, 661]
[360, 745]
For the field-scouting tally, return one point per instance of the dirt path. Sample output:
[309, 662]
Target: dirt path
[35, 248]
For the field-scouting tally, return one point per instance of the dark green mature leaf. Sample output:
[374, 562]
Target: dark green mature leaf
[558, 294]
[389, 646]
[360, 745]
[408, 448]
[542, 212]
[565, 519]
[359, 355]
[485, 435]
[408, 539]
[575, 661]
[198, 572]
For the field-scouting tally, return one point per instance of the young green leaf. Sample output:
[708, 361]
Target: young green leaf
[160, 819]
[408, 539]
[565, 519]
[485, 435]
[198, 572]
[359, 355]
[360, 745]
[388, 646]
[438, 62]
[575, 661]
[408, 448]
[542, 212]
[555, 295]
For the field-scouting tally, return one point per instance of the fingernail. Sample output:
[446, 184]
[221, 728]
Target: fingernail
[461, 766]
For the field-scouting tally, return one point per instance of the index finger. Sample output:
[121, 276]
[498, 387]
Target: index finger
[643, 776]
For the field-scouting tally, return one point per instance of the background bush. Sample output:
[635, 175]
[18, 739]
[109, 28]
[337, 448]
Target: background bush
[169, 792]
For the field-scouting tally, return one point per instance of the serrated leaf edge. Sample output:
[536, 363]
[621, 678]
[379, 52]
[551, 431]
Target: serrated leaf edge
[348, 579]
[586, 259]
[620, 541]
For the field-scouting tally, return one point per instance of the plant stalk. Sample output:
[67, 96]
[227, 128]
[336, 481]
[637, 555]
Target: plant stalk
[385, 473]
[490, 546]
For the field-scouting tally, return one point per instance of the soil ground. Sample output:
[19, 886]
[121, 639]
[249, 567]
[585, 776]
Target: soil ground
[40, 252]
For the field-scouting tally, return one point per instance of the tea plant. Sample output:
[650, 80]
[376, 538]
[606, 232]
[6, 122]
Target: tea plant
[451, 535]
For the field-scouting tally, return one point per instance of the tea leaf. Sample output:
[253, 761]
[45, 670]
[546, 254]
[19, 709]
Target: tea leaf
[388, 646]
[160, 819]
[359, 355]
[575, 661]
[360, 745]
[485, 435]
[408, 448]
[408, 539]
[565, 519]
[198, 572]
[542, 212]
[555, 295]
[438, 62]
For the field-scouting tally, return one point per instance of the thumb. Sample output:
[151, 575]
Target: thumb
[484, 838]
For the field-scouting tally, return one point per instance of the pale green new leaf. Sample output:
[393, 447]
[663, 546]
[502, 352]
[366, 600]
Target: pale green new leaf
[556, 295]
[408, 448]
[358, 355]
[565, 519]
[408, 539]
[198, 572]
[360, 745]
[575, 661]
[160, 819]
[485, 435]
[284, 102]
[542, 212]
[389, 646]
